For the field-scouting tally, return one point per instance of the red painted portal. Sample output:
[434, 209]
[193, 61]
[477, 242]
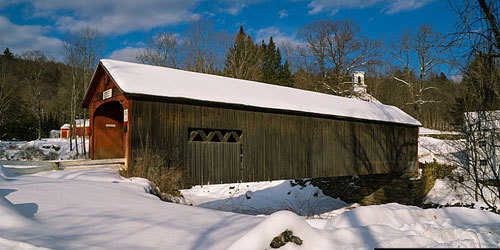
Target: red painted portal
[109, 112]
[108, 131]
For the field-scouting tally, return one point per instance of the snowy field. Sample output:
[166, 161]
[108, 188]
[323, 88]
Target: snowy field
[99, 209]
[39, 150]
[92, 209]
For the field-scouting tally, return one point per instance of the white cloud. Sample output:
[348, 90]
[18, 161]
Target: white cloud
[405, 5]
[278, 36]
[22, 38]
[283, 13]
[387, 6]
[128, 54]
[114, 16]
[457, 78]
[235, 6]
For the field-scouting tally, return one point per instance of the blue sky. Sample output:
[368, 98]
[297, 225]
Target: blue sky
[29, 25]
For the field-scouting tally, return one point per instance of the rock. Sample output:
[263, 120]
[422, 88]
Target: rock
[285, 237]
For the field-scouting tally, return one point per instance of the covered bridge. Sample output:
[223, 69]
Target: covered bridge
[222, 130]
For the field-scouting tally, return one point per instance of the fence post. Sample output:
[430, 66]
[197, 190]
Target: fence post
[56, 166]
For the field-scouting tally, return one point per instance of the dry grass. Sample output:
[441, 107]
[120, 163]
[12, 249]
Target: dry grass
[150, 164]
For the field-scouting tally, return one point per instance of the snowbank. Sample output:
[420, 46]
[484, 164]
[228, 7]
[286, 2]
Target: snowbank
[390, 225]
[446, 192]
[261, 236]
[264, 197]
[39, 150]
[81, 209]
[10, 216]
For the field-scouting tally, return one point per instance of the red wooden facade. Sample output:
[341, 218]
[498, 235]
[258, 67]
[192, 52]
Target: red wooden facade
[107, 119]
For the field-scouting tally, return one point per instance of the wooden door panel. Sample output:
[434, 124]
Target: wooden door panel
[108, 141]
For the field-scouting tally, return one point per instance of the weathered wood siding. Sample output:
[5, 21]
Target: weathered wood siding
[273, 145]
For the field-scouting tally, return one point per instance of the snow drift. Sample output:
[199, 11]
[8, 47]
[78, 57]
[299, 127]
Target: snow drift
[82, 209]
[390, 225]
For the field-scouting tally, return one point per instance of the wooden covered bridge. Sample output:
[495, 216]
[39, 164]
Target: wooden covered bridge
[223, 130]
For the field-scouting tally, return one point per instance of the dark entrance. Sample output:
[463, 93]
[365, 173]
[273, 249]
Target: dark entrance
[108, 137]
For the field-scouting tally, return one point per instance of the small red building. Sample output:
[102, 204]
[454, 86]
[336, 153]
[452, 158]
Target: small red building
[65, 129]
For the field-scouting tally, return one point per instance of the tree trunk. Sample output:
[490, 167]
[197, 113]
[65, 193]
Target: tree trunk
[39, 107]
[84, 150]
[76, 139]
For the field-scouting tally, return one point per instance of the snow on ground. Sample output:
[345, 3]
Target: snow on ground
[82, 209]
[97, 208]
[442, 151]
[446, 191]
[428, 131]
[263, 197]
[44, 149]
[390, 225]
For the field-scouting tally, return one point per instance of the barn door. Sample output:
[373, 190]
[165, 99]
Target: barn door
[108, 136]
[214, 156]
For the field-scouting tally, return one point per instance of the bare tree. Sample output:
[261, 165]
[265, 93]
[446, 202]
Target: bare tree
[7, 97]
[480, 172]
[34, 79]
[205, 49]
[430, 49]
[333, 50]
[290, 54]
[479, 30]
[478, 25]
[83, 48]
[163, 50]
[72, 55]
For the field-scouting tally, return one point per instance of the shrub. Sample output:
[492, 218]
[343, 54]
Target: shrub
[150, 164]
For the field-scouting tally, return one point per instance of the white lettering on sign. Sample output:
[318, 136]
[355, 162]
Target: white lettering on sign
[125, 115]
[110, 125]
[107, 94]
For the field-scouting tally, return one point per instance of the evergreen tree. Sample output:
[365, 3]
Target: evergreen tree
[272, 70]
[8, 54]
[285, 76]
[481, 88]
[243, 59]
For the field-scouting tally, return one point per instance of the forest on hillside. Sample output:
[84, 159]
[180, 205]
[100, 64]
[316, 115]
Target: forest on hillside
[409, 69]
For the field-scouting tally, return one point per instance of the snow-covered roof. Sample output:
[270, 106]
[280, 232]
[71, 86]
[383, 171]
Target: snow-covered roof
[78, 122]
[149, 80]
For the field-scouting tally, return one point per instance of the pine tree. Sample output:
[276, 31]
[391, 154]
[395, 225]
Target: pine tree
[481, 89]
[243, 59]
[285, 76]
[272, 70]
[8, 54]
